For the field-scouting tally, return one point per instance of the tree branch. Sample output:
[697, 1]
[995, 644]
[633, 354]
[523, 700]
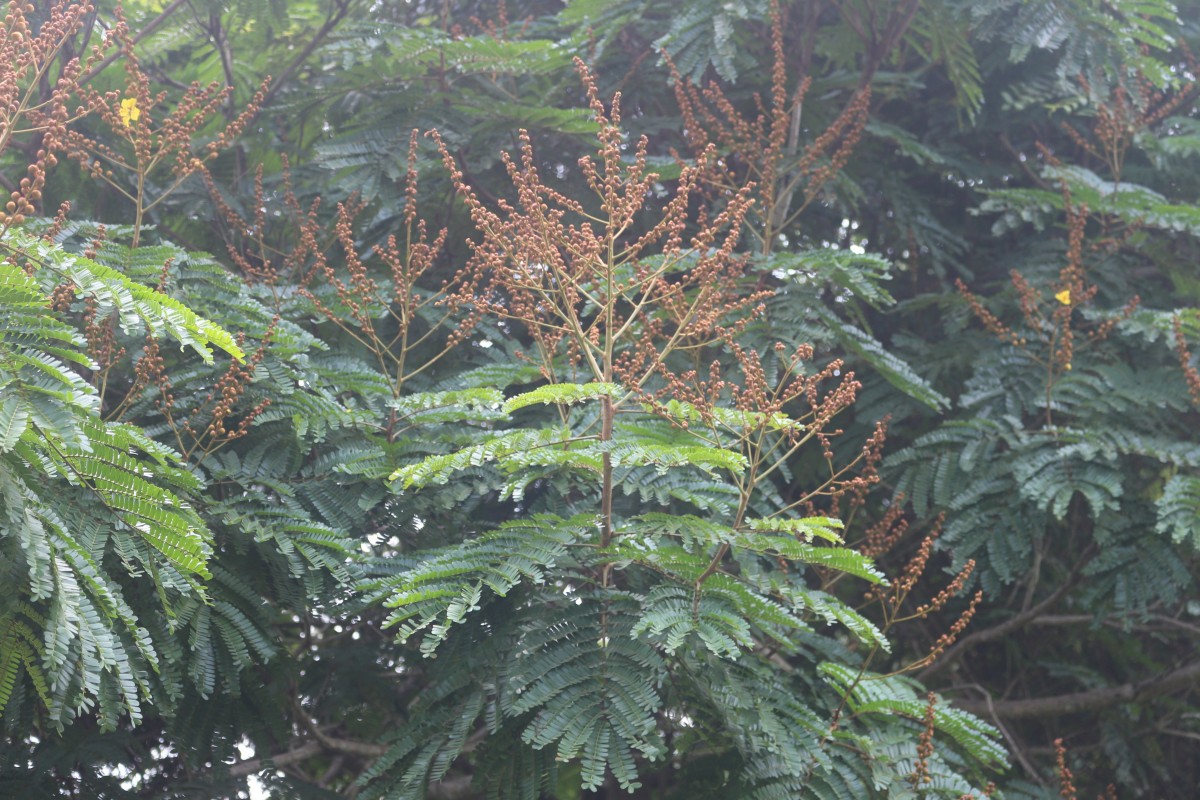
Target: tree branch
[253, 765]
[337, 14]
[1090, 700]
[453, 788]
[142, 33]
[1163, 622]
[307, 749]
[1004, 628]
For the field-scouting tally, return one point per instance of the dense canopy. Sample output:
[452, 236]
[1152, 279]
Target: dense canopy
[601, 398]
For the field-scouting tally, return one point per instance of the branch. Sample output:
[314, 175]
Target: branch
[349, 747]
[456, 788]
[997, 632]
[303, 750]
[334, 745]
[1163, 621]
[145, 31]
[1091, 700]
[220, 40]
[253, 765]
[341, 8]
[1004, 628]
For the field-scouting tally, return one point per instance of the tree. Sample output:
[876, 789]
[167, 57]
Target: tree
[562, 471]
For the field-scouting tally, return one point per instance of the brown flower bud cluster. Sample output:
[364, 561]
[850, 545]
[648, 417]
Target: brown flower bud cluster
[147, 136]
[225, 396]
[501, 27]
[606, 289]
[150, 368]
[1128, 111]
[916, 565]
[1131, 108]
[831, 151]
[1070, 285]
[30, 106]
[920, 774]
[96, 243]
[62, 298]
[249, 242]
[1190, 373]
[881, 537]
[948, 638]
[582, 288]
[1056, 329]
[765, 148]
[209, 424]
[383, 297]
[1066, 781]
[59, 221]
[867, 476]
[101, 335]
[990, 320]
[953, 588]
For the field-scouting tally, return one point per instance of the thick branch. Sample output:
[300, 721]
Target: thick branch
[307, 749]
[1091, 700]
[453, 788]
[1161, 622]
[253, 765]
[990, 634]
[1004, 628]
[348, 747]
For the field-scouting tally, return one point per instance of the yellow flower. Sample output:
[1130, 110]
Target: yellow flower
[1063, 297]
[129, 110]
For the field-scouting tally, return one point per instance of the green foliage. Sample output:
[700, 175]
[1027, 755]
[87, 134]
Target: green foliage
[933, 29]
[560, 394]
[450, 585]
[403, 538]
[78, 490]
[879, 694]
[1089, 40]
[137, 306]
[1179, 509]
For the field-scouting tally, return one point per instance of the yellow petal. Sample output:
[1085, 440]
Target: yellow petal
[129, 110]
[1064, 297]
